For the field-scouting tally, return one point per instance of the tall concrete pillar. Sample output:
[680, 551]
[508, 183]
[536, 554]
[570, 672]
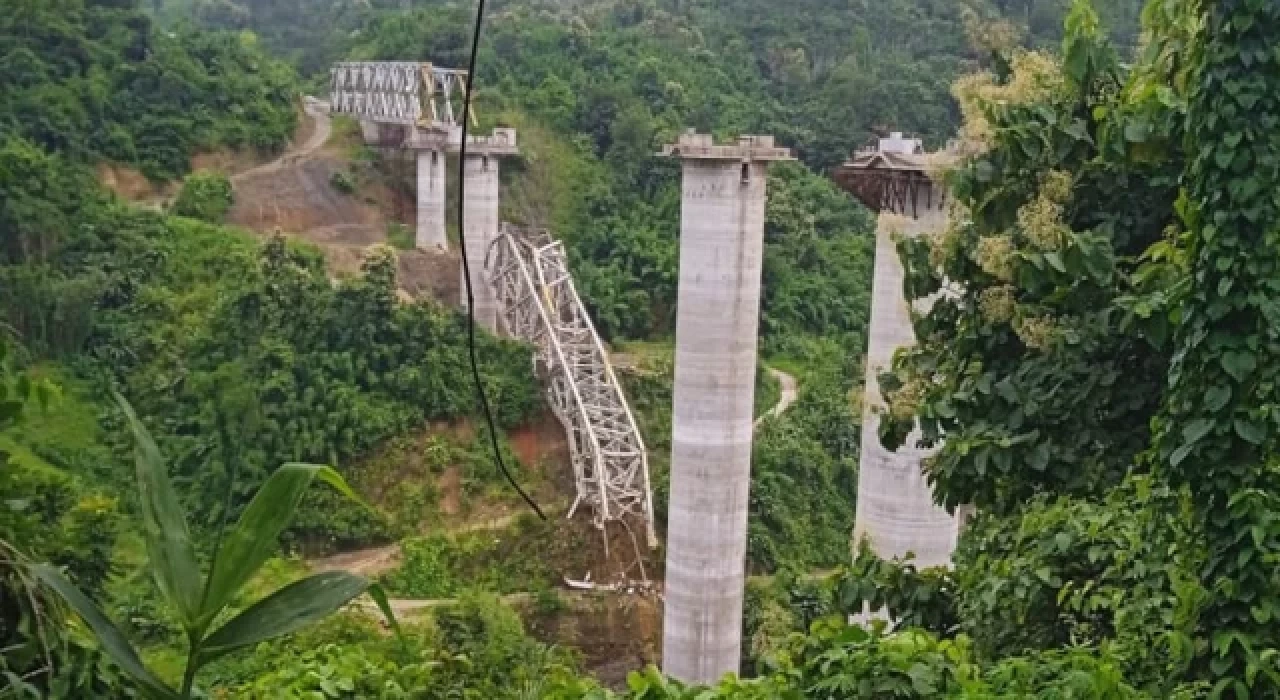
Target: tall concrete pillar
[432, 171]
[721, 251]
[480, 211]
[895, 510]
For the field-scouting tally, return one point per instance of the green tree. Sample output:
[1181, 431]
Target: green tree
[204, 195]
[1032, 365]
[1218, 428]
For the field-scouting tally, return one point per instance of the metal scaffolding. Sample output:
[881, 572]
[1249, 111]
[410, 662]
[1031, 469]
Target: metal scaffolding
[397, 92]
[539, 304]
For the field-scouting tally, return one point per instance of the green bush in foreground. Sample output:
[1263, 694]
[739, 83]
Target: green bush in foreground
[199, 601]
[477, 648]
[840, 660]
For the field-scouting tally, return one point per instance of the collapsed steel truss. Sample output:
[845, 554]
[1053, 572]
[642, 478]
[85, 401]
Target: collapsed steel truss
[539, 304]
[397, 92]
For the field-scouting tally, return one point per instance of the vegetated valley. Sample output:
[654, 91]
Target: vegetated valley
[203, 278]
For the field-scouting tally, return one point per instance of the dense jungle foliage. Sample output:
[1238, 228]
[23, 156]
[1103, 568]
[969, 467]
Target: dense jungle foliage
[1098, 377]
[1100, 366]
[97, 80]
[240, 354]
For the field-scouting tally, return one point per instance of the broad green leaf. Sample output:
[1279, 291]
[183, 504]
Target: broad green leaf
[109, 636]
[287, 610]
[1252, 431]
[1038, 459]
[1180, 454]
[1076, 63]
[173, 560]
[1239, 364]
[255, 537]
[1196, 429]
[379, 595]
[1217, 397]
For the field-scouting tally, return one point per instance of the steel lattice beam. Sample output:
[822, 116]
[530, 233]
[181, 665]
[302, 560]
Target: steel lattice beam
[397, 92]
[539, 304]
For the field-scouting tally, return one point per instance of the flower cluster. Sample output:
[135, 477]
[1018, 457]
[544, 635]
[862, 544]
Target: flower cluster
[1041, 222]
[1041, 218]
[1036, 332]
[994, 255]
[893, 223]
[944, 245]
[1036, 78]
[990, 36]
[905, 401]
[997, 304]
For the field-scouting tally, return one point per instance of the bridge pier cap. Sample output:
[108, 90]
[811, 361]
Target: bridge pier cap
[722, 210]
[694, 146]
[502, 142]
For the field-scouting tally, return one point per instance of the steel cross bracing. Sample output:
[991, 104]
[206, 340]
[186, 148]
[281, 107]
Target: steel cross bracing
[397, 92]
[540, 305]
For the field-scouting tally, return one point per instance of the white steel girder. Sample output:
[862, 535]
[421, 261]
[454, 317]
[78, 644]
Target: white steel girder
[408, 93]
[539, 304]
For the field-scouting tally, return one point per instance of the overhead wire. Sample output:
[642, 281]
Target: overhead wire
[466, 266]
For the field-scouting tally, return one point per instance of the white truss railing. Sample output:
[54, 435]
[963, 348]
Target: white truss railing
[539, 304]
[397, 92]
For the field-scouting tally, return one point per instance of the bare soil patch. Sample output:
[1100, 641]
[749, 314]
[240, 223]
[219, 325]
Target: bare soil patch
[131, 185]
[614, 633]
[451, 491]
[228, 162]
[365, 562]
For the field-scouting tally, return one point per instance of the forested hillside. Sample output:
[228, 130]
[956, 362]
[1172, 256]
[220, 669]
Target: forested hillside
[824, 76]
[240, 354]
[1099, 377]
[98, 81]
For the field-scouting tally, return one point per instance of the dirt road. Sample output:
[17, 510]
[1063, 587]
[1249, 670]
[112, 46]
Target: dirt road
[322, 129]
[790, 392]
[295, 194]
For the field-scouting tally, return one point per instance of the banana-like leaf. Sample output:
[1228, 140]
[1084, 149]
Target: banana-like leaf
[379, 595]
[173, 560]
[287, 610]
[255, 536]
[112, 640]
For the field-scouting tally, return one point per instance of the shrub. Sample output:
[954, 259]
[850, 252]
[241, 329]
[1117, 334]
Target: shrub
[343, 182]
[205, 195]
[1067, 571]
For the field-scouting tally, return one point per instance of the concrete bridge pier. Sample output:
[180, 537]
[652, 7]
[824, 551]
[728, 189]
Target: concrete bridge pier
[721, 253]
[432, 176]
[480, 210]
[480, 172]
[896, 513]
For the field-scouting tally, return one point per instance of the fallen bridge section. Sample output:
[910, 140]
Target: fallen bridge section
[539, 304]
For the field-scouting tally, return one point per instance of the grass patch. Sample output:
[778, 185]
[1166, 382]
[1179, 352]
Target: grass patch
[528, 555]
[400, 236]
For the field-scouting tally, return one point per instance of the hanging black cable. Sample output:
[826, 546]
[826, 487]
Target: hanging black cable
[466, 265]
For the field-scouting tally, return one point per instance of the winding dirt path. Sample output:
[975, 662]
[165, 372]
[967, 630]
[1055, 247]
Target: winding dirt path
[375, 561]
[318, 111]
[790, 393]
